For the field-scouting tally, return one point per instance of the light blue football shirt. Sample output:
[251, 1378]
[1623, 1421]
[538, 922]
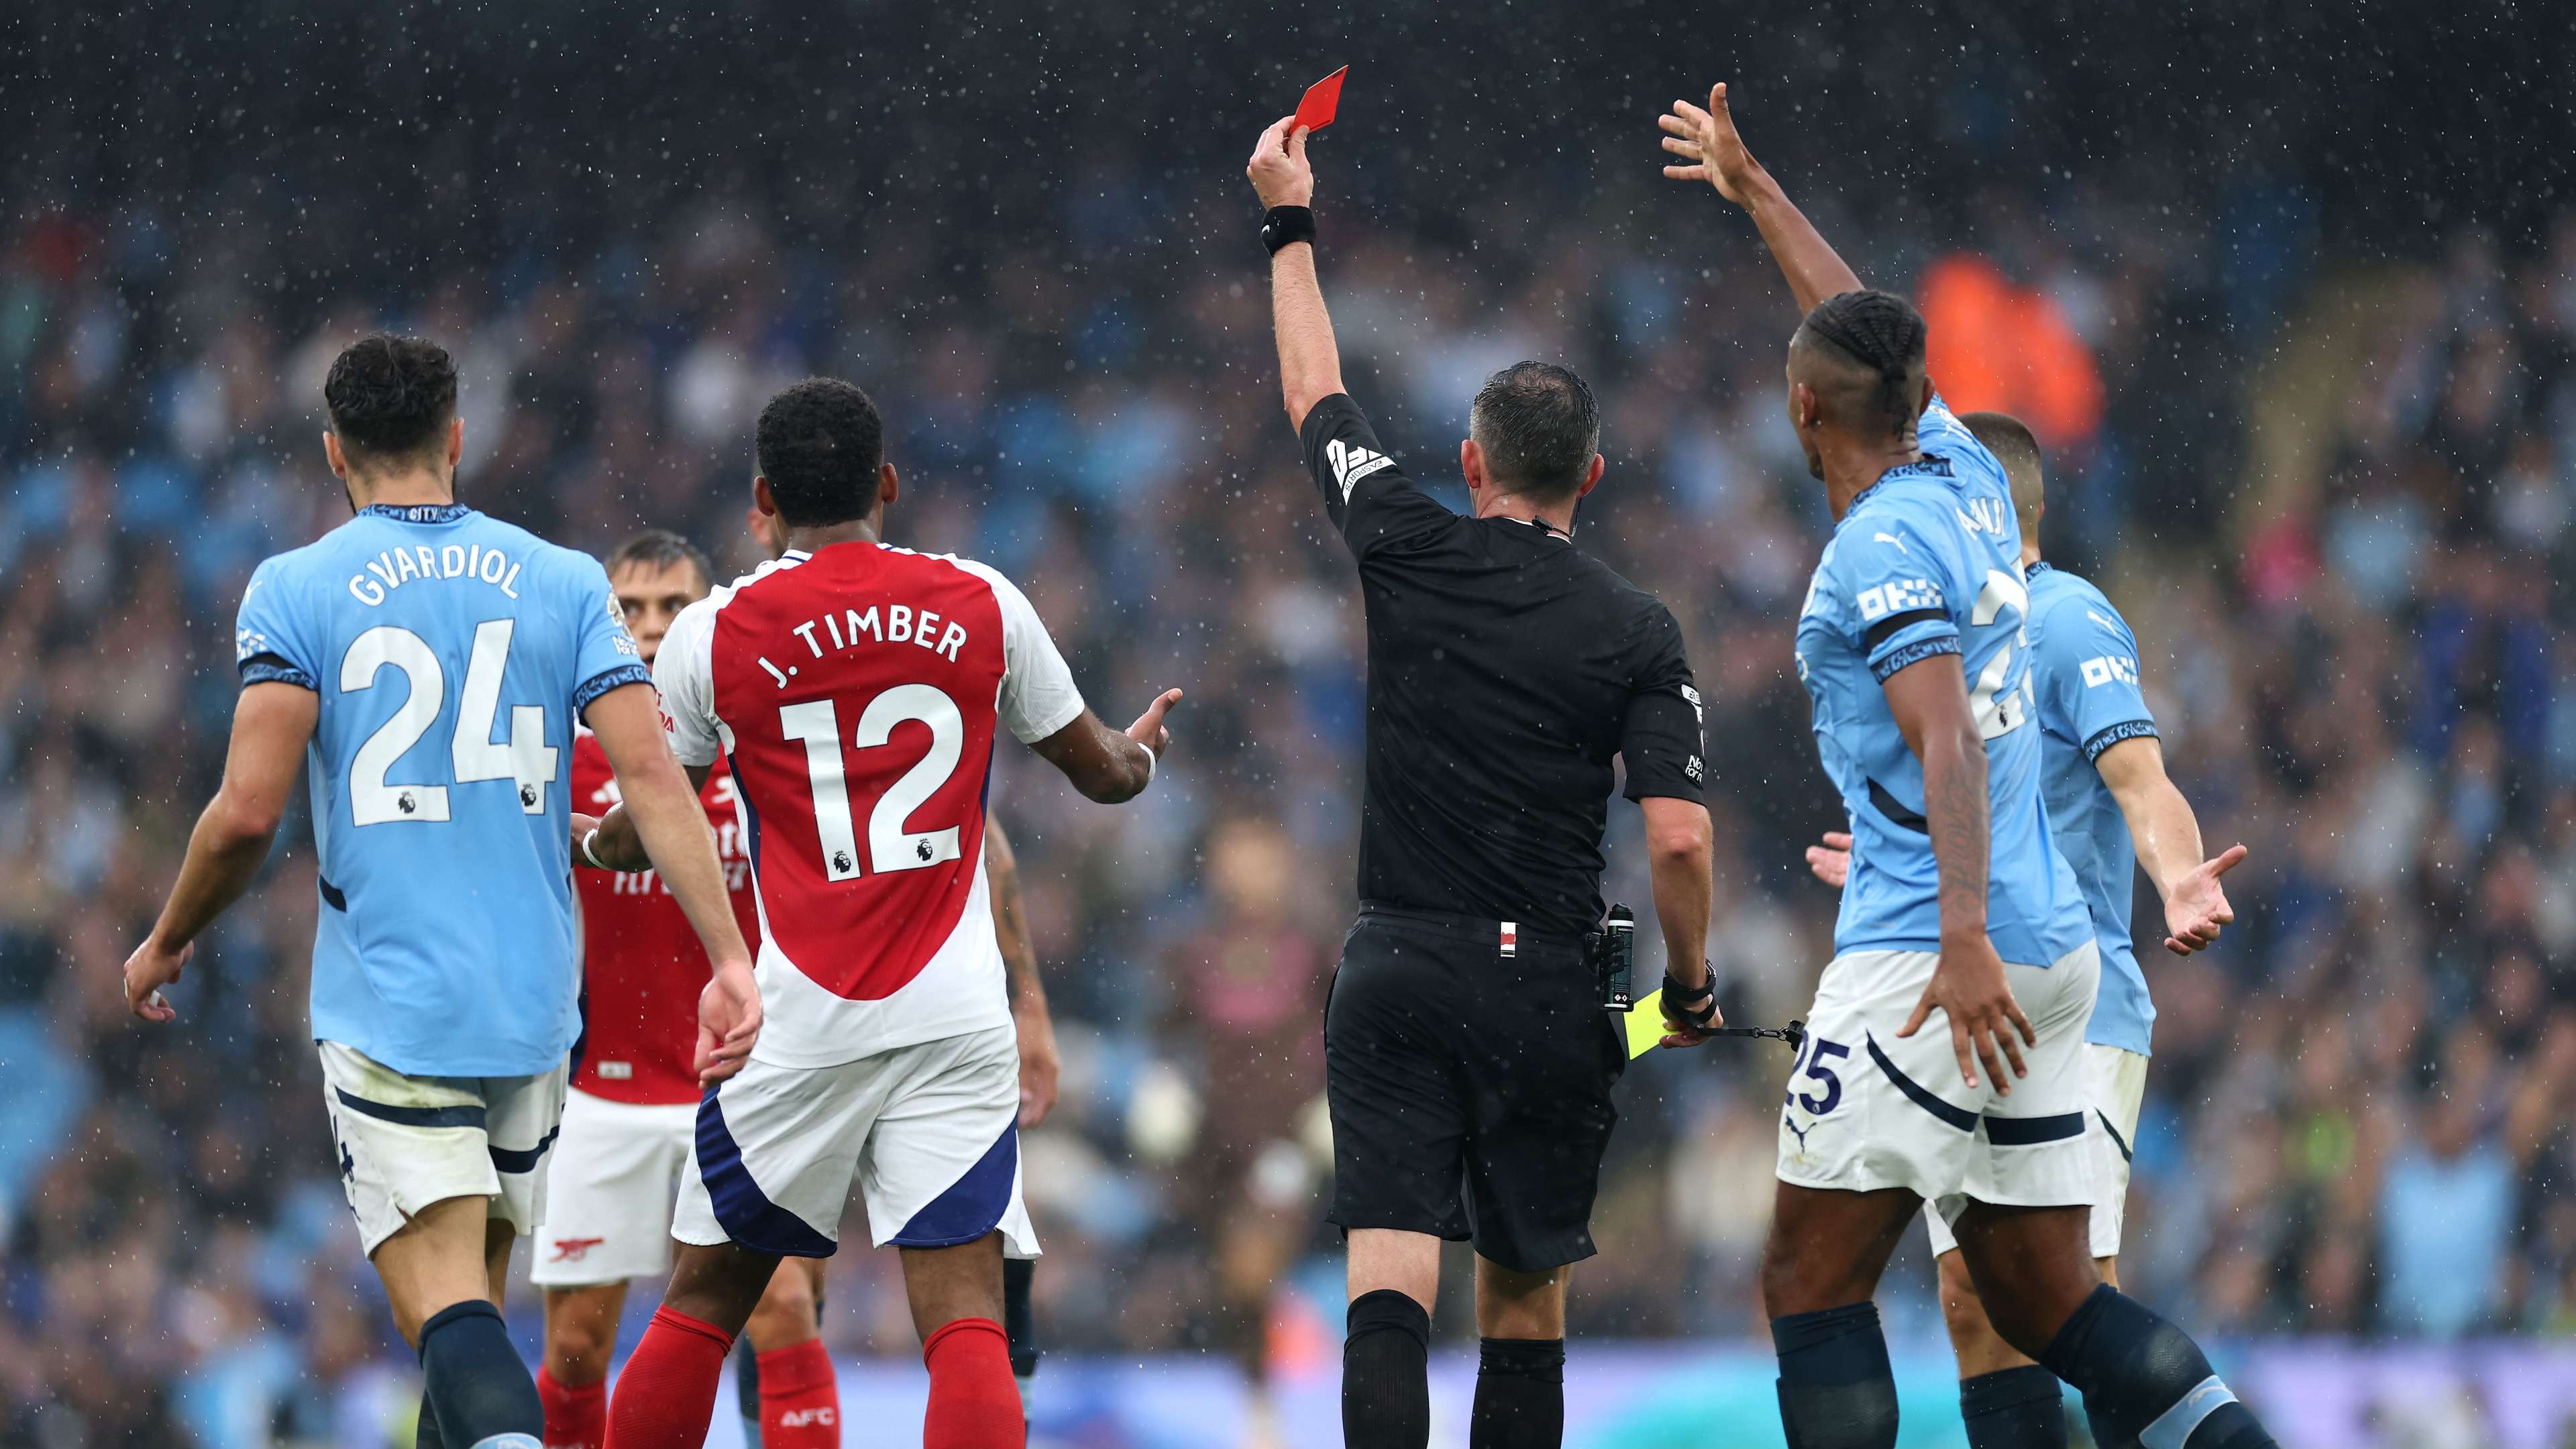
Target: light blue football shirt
[2085, 666]
[452, 653]
[1927, 561]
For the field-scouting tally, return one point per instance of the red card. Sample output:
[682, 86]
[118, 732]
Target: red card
[1323, 98]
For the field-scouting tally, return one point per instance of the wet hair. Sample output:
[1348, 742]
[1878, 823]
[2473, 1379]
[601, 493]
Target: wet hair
[820, 444]
[1882, 333]
[2010, 440]
[389, 396]
[1539, 427]
[659, 548]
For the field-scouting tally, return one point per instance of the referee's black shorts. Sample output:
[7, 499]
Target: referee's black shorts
[1470, 1091]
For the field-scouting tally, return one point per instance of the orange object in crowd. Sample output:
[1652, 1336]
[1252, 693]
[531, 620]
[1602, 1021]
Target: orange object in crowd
[2001, 347]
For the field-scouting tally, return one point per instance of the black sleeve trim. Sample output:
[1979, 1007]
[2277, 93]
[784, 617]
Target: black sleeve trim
[2136, 729]
[1879, 632]
[601, 683]
[1914, 653]
[274, 669]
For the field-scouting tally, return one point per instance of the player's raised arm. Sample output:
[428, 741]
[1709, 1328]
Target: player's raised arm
[659, 804]
[271, 726]
[1713, 151]
[1929, 701]
[1310, 362]
[2167, 836]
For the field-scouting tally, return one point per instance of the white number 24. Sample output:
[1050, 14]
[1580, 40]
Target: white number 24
[1999, 711]
[472, 755]
[890, 846]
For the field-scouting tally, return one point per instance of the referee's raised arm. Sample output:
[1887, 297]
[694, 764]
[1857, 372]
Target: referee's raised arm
[1310, 364]
[1476, 1033]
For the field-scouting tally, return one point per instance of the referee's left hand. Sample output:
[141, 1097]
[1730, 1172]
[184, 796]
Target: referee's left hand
[1679, 1032]
[1281, 175]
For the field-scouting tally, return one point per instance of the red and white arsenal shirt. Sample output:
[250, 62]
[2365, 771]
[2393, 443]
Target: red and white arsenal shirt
[855, 692]
[642, 966]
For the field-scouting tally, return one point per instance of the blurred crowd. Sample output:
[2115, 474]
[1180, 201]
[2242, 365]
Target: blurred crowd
[2357, 1120]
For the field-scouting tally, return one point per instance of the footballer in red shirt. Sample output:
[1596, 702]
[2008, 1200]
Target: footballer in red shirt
[630, 1116]
[856, 691]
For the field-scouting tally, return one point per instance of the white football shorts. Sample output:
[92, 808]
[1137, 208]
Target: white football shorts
[929, 1132]
[407, 1142]
[1867, 1109]
[2116, 1081]
[610, 1192]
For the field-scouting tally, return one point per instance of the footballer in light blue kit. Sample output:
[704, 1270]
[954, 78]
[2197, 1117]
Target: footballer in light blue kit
[2111, 808]
[1927, 561]
[1960, 917]
[428, 663]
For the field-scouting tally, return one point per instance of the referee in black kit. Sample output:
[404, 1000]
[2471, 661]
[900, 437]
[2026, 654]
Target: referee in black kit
[1469, 1059]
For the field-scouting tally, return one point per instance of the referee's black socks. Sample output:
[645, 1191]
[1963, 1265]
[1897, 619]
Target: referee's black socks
[1836, 1389]
[1520, 1394]
[2145, 1381]
[2014, 1408]
[1386, 1376]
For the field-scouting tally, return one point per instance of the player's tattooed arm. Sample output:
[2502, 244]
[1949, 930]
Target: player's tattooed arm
[2167, 837]
[1039, 1064]
[1310, 361]
[1929, 700]
[1111, 766]
[1713, 151]
[271, 726]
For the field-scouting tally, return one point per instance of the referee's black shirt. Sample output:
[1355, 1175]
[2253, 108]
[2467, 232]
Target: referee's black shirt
[1506, 668]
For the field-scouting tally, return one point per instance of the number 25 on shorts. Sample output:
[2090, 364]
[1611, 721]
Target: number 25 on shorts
[1810, 1064]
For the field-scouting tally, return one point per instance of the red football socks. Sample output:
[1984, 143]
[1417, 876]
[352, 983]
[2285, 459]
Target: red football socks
[974, 1402]
[800, 1398]
[666, 1398]
[576, 1418]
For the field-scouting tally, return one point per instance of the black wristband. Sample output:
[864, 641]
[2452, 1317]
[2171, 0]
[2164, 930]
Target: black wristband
[1675, 994]
[1282, 225]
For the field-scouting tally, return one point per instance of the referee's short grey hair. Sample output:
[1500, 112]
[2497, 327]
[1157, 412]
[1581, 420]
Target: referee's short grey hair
[1539, 427]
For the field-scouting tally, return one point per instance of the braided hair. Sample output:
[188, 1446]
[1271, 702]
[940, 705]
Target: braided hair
[1882, 332]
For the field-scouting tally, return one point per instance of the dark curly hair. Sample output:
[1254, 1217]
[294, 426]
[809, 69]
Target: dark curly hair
[820, 445]
[1883, 333]
[389, 396]
[1539, 427]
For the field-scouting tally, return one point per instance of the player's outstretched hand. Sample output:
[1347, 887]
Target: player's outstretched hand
[1148, 729]
[728, 1021]
[1710, 148]
[1831, 861]
[150, 968]
[2198, 909]
[1281, 175]
[1039, 1064]
[1986, 1024]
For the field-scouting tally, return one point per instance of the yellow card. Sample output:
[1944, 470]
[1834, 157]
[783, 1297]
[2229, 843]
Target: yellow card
[1646, 1024]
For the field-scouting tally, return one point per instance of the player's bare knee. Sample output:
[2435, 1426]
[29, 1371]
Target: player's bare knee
[1961, 1308]
[720, 1285]
[947, 1284]
[786, 1312]
[579, 1337]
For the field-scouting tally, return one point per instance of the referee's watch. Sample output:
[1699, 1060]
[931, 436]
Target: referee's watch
[1284, 225]
[1706, 994]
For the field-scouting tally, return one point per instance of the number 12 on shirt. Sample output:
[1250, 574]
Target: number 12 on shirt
[890, 846]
